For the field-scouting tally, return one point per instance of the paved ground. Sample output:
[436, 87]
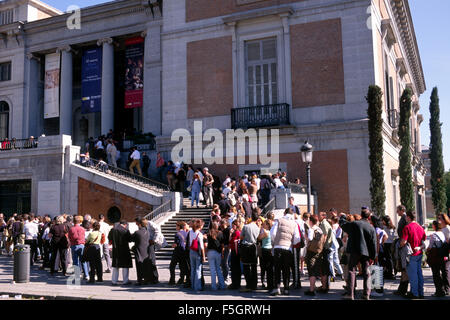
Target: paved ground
[42, 284]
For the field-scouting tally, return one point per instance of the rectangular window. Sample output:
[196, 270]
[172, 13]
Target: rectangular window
[5, 71]
[7, 17]
[261, 75]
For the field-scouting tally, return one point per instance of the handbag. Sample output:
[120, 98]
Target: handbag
[194, 244]
[316, 244]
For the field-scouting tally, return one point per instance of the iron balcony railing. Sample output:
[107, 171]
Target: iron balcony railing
[18, 144]
[260, 116]
[165, 207]
[393, 118]
[122, 174]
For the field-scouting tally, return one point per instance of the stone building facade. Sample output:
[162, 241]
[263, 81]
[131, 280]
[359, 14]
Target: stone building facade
[302, 67]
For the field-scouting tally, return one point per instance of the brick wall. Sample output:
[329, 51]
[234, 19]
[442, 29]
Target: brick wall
[204, 9]
[317, 64]
[94, 199]
[209, 77]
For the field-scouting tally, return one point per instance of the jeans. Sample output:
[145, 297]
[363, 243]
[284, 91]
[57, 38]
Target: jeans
[195, 196]
[33, 250]
[335, 263]
[208, 192]
[414, 270]
[115, 275]
[107, 255]
[77, 252]
[214, 259]
[267, 267]
[236, 272]
[196, 270]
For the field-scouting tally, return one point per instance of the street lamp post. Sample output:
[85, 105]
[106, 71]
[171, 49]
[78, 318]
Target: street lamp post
[307, 155]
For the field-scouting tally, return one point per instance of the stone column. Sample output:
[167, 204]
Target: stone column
[33, 115]
[66, 87]
[107, 114]
[152, 113]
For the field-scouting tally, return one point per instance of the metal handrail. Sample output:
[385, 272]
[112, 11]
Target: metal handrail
[260, 116]
[165, 207]
[18, 144]
[123, 174]
[269, 207]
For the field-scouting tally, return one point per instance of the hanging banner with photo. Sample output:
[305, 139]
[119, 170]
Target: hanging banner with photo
[51, 89]
[91, 80]
[134, 73]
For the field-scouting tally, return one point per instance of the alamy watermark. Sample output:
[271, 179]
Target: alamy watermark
[74, 20]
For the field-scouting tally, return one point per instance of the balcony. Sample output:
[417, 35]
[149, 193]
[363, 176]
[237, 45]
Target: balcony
[260, 116]
[18, 144]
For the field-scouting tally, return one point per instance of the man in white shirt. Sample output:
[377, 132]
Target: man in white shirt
[31, 230]
[226, 189]
[136, 161]
[104, 229]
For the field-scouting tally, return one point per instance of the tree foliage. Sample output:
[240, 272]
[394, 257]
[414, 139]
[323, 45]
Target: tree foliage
[405, 168]
[438, 184]
[377, 187]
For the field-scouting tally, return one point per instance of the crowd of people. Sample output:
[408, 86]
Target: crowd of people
[274, 251]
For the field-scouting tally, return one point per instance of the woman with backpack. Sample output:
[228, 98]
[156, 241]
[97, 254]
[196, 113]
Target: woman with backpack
[196, 254]
[316, 239]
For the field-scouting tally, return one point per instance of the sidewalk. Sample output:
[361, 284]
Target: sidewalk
[58, 287]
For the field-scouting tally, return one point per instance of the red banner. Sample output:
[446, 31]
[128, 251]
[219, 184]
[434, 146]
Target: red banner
[134, 73]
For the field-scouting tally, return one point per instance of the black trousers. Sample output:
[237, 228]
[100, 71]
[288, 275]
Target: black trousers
[236, 273]
[387, 260]
[283, 260]
[62, 256]
[179, 258]
[251, 276]
[95, 263]
[439, 275]
[33, 250]
[46, 256]
[295, 266]
[267, 267]
[152, 271]
[141, 268]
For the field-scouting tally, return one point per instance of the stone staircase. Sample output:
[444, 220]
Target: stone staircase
[186, 214]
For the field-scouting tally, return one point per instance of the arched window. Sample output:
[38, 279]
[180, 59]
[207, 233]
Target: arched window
[4, 120]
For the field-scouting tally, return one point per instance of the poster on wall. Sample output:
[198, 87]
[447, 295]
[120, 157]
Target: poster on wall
[134, 73]
[51, 89]
[91, 80]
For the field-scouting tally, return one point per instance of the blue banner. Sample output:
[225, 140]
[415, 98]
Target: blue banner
[91, 81]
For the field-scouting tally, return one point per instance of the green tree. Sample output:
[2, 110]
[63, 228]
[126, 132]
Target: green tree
[447, 188]
[377, 187]
[404, 168]
[438, 185]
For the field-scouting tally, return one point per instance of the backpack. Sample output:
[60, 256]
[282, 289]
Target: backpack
[316, 244]
[194, 245]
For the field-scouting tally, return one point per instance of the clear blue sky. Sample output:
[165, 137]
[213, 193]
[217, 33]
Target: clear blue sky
[432, 25]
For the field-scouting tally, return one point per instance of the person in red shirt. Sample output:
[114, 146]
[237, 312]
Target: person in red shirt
[415, 236]
[77, 241]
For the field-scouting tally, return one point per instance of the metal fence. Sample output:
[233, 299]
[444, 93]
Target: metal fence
[165, 207]
[260, 116]
[122, 174]
[18, 144]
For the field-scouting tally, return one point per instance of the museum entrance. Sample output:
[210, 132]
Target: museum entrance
[15, 197]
